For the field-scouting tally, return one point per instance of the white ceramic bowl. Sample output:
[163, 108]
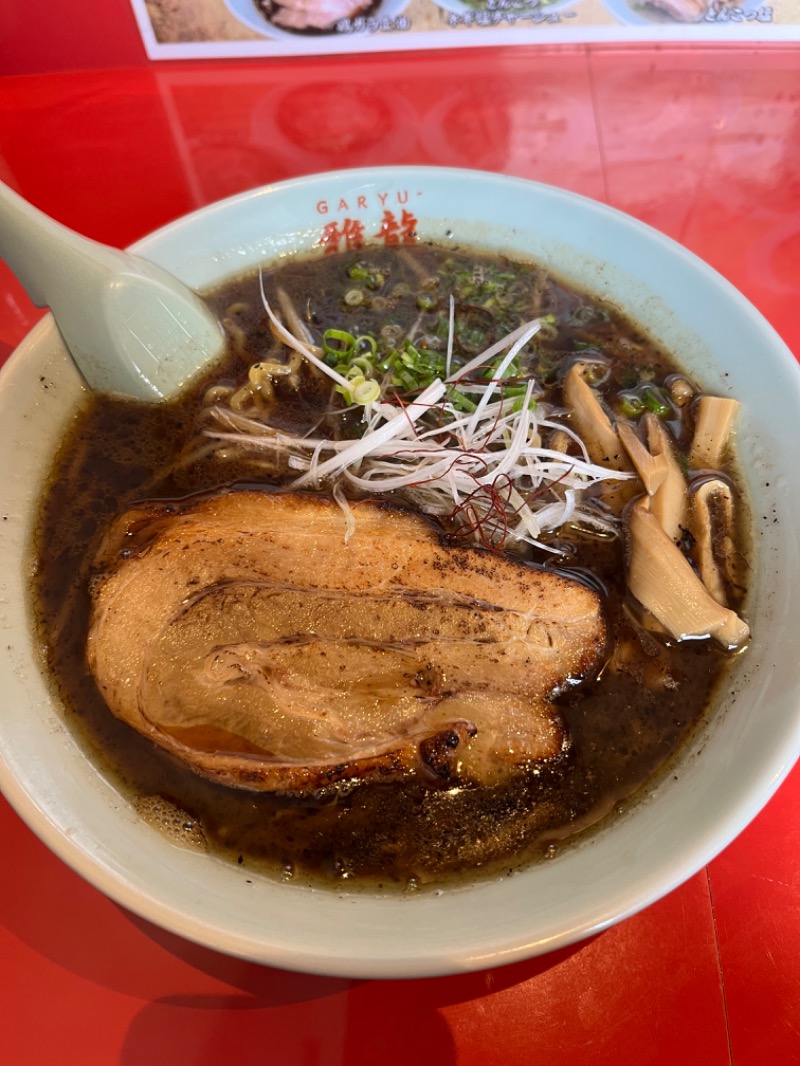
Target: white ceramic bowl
[722, 782]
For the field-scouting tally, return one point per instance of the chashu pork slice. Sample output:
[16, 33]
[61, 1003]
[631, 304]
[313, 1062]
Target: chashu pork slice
[242, 633]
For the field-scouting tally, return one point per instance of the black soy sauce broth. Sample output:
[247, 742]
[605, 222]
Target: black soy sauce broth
[404, 833]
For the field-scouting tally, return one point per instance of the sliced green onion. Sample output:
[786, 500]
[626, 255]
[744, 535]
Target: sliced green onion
[513, 370]
[367, 392]
[654, 401]
[582, 346]
[371, 277]
[391, 333]
[408, 381]
[363, 365]
[366, 342]
[462, 402]
[354, 297]
[630, 406]
[338, 342]
[583, 315]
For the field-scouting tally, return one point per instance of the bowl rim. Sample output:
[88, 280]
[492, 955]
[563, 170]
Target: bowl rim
[408, 960]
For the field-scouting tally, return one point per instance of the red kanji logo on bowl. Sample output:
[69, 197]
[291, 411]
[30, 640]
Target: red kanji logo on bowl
[394, 232]
[351, 231]
[398, 226]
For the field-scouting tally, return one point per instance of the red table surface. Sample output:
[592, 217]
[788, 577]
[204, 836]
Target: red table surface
[703, 144]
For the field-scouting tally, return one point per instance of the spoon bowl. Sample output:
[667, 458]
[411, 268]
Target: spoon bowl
[131, 327]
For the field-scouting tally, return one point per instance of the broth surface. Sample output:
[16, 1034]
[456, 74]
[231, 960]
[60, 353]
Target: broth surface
[624, 727]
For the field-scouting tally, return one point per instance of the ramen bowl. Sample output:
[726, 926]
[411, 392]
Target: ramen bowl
[720, 781]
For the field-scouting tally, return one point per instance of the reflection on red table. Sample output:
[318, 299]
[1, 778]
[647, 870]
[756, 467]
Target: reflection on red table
[704, 144]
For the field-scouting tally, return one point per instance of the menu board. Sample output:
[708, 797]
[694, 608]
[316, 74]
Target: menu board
[174, 29]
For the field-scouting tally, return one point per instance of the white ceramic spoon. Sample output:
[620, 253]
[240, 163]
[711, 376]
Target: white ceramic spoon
[131, 327]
